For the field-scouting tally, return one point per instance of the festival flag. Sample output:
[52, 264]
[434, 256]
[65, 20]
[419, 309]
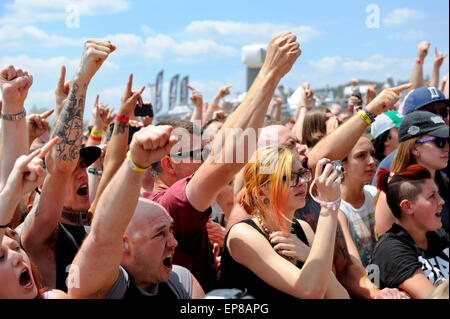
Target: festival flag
[173, 92]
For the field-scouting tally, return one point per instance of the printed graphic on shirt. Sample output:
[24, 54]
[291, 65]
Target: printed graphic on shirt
[435, 268]
[365, 238]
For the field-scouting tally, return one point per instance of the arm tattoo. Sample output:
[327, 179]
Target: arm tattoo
[121, 127]
[69, 127]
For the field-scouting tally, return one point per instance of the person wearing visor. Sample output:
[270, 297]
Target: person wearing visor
[423, 138]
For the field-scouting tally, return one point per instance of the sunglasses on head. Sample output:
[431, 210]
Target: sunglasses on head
[305, 174]
[439, 141]
[199, 154]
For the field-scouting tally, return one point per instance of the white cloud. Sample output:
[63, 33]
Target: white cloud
[375, 62]
[410, 35]
[162, 46]
[48, 67]
[40, 98]
[27, 11]
[403, 16]
[244, 31]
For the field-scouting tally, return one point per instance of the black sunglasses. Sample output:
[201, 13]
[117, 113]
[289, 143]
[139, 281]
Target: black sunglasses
[439, 141]
[306, 174]
[199, 154]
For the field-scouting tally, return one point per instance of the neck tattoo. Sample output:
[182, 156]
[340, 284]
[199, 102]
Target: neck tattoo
[74, 216]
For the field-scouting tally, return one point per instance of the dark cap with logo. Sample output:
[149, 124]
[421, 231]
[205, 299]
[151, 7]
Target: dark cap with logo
[420, 123]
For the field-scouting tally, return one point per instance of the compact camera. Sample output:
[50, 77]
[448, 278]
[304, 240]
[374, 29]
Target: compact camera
[337, 165]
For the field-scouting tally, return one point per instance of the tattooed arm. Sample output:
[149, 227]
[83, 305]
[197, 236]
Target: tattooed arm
[62, 161]
[118, 145]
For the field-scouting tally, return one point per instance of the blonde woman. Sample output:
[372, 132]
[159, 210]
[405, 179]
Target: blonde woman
[273, 254]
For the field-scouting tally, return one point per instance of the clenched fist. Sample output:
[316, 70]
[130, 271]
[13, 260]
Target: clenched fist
[95, 53]
[282, 52]
[14, 83]
[150, 144]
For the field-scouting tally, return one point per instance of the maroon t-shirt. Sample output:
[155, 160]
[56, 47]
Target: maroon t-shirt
[193, 251]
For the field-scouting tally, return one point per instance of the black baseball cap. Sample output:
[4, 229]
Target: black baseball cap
[420, 123]
[90, 154]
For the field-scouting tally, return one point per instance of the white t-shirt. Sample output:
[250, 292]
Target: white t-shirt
[361, 223]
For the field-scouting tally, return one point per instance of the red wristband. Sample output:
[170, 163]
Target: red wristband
[95, 138]
[418, 61]
[122, 119]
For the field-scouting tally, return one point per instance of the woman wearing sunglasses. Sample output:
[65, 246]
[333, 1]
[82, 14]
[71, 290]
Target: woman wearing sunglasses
[423, 138]
[273, 255]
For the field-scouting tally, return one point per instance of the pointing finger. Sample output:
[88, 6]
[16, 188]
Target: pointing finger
[48, 147]
[402, 87]
[47, 113]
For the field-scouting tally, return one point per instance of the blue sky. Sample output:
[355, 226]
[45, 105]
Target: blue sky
[203, 39]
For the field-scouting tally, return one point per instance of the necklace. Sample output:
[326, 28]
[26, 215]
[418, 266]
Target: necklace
[267, 232]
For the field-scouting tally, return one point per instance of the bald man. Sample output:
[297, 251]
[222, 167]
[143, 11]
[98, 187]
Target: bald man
[148, 248]
[128, 252]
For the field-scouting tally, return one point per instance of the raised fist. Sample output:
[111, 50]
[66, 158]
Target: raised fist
[14, 83]
[282, 52]
[95, 53]
[150, 144]
[422, 50]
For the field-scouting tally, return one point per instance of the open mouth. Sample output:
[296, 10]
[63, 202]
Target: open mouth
[438, 214]
[83, 190]
[25, 279]
[168, 261]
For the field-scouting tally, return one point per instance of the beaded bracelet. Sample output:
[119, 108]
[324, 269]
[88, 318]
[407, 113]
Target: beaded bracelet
[14, 117]
[334, 205]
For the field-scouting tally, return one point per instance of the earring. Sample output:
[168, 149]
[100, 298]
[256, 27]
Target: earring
[266, 201]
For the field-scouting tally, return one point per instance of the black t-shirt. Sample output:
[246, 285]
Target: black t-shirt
[235, 275]
[398, 257]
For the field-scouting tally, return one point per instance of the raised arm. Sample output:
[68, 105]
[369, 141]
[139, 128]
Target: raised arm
[118, 145]
[223, 91]
[339, 143]
[305, 103]
[26, 175]
[99, 257]
[14, 83]
[215, 173]
[438, 60]
[416, 79]
[61, 91]
[197, 100]
[63, 159]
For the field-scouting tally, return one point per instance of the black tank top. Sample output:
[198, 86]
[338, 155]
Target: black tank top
[235, 275]
[69, 241]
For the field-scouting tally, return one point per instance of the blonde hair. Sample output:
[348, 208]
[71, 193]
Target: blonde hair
[270, 165]
[404, 157]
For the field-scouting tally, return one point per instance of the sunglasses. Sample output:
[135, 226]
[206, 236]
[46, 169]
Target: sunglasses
[199, 154]
[439, 141]
[305, 174]
[442, 112]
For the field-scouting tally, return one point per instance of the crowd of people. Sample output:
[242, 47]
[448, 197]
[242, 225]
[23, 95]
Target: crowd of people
[347, 201]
